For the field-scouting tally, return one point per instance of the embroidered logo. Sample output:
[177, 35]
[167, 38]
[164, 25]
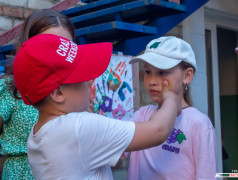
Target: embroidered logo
[176, 135]
[170, 148]
[155, 45]
[68, 49]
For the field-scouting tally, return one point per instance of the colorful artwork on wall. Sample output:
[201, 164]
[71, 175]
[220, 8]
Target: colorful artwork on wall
[112, 92]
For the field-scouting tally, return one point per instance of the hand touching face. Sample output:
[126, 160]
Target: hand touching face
[154, 77]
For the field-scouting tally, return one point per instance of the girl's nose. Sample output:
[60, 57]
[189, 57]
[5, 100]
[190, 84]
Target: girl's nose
[155, 81]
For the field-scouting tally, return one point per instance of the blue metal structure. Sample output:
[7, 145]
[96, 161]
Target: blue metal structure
[163, 25]
[129, 24]
[5, 50]
[122, 18]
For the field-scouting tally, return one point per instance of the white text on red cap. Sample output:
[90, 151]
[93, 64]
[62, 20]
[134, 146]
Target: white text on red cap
[63, 50]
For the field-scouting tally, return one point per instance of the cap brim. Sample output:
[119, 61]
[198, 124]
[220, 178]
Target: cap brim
[156, 60]
[93, 61]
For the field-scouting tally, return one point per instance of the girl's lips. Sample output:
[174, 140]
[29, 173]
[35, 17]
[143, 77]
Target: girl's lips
[152, 91]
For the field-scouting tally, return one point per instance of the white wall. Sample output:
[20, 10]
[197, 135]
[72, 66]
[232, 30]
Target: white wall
[228, 6]
[194, 34]
[13, 12]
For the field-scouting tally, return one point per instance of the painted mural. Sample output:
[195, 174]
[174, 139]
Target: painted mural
[112, 92]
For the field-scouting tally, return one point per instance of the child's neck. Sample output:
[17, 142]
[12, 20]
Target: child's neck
[184, 104]
[45, 115]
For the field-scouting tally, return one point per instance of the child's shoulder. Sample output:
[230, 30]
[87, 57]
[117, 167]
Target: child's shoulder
[77, 115]
[82, 117]
[198, 118]
[65, 123]
[144, 112]
[194, 112]
[147, 108]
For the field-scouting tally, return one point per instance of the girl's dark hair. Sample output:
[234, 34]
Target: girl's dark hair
[187, 97]
[36, 23]
[41, 20]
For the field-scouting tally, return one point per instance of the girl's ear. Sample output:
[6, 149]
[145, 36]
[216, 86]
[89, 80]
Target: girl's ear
[57, 95]
[188, 75]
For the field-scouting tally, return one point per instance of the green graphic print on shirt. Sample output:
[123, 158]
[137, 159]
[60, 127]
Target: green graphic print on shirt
[176, 135]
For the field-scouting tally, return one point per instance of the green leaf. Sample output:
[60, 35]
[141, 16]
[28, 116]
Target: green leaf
[181, 137]
[155, 45]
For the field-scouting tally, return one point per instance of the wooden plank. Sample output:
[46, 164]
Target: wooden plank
[102, 4]
[10, 34]
[64, 5]
[116, 25]
[7, 48]
[88, 1]
[113, 31]
[2, 56]
[89, 7]
[15, 31]
[133, 11]
[6, 62]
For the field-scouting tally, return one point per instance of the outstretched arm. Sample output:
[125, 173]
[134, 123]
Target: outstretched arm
[155, 131]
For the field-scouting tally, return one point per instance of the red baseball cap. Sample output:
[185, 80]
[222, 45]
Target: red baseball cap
[46, 61]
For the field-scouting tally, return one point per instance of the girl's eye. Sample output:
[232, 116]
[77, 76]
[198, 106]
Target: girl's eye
[147, 72]
[162, 73]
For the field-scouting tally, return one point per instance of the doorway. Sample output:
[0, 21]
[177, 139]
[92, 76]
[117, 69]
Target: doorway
[228, 88]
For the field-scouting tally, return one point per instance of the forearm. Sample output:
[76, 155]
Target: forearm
[164, 118]
[155, 131]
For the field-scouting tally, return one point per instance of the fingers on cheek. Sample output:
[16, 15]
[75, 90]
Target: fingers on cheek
[170, 87]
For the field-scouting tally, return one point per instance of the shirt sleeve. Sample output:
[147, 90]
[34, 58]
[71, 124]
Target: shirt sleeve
[5, 101]
[204, 150]
[104, 139]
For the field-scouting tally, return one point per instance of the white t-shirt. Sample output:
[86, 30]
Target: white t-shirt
[78, 146]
